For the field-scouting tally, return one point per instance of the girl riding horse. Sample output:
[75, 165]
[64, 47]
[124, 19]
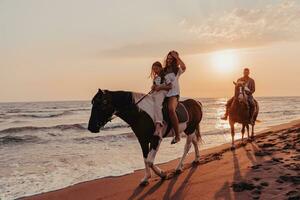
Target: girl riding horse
[159, 81]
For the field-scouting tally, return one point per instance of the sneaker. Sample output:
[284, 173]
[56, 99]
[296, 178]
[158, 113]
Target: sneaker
[175, 140]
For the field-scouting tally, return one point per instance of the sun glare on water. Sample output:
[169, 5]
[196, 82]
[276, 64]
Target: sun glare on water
[224, 61]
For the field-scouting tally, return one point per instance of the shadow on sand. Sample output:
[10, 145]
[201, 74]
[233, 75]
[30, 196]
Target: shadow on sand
[272, 165]
[170, 192]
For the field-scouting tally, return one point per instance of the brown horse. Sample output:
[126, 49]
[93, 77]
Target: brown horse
[137, 114]
[239, 112]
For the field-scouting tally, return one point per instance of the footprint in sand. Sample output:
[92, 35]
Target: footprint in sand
[289, 178]
[256, 166]
[264, 184]
[262, 153]
[293, 195]
[256, 179]
[266, 145]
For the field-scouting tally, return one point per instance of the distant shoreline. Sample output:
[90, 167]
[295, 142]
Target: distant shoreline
[46, 101]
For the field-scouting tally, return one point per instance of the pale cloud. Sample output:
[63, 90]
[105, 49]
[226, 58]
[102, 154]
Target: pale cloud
[271, 24]
[238, 28]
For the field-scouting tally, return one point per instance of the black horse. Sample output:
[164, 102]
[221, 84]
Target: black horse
[124, 105]
[239, 112]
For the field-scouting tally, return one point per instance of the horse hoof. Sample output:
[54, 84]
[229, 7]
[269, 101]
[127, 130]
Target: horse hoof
[196, 163]
[178, 171]
[163, 175]
[144, 183]
[232, 148]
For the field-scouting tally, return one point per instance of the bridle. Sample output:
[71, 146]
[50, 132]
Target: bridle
[104, 105]
[241, 93]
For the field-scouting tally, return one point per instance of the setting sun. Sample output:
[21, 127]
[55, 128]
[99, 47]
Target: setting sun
[224, 61]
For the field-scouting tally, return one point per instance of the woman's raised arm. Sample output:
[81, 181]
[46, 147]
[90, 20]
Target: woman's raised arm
[179, 61]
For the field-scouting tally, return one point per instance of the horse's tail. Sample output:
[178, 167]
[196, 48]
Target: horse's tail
[256, 112]
[198, 132]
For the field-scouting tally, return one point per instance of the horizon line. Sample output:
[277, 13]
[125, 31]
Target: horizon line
[80, 100]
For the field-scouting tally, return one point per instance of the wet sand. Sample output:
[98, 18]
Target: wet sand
[267, 168]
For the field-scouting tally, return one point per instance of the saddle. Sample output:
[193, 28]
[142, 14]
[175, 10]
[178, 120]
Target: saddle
[181, 112]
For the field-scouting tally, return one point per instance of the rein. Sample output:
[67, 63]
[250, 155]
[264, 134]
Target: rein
[139, 101]
[143, 97]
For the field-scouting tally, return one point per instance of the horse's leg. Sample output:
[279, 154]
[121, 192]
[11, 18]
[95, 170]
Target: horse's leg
[187, 147]
[247, 126]
[252, 131]
[145, 149]
[197, 152]
[243, 132]
[145, 180]
[232, 135]
[154, 147]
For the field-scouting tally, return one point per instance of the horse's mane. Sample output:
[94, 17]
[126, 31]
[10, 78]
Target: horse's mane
[146, 104]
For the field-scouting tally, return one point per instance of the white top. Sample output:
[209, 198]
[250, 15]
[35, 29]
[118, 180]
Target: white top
[174, 80]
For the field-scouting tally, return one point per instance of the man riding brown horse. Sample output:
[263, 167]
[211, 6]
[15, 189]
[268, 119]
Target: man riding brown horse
[249, 89]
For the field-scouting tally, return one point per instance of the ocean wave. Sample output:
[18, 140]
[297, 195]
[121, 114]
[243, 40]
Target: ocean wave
[18, 139]
[17, 121]
[291, 112]
[48, 115]
[30, 111]
[51, 107]
[63, 127]
[14, 111]
[115, 126]
[272, 111]
[3, 116]
[105, 138]
[55, 110]
[281, 112]
[80, 109]
[216, 132]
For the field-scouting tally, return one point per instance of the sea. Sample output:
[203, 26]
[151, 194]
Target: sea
[45, 146]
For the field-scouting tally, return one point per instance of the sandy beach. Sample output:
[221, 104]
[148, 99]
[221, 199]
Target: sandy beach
[267, 168]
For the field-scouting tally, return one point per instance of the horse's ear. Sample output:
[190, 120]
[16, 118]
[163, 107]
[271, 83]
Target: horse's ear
[234, 83]
[100, 91]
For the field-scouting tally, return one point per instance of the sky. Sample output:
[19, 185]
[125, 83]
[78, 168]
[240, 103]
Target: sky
[67, 49]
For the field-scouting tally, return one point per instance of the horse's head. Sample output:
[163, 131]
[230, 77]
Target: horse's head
[239, 92]
[102, 111]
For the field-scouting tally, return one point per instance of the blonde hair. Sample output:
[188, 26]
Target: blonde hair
[157, 64]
